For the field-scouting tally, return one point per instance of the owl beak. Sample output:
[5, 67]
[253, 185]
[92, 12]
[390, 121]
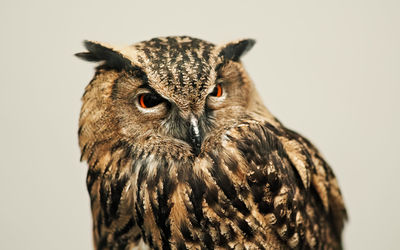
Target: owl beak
[195, 136]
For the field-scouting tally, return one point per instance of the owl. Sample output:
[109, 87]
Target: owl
[183, 154]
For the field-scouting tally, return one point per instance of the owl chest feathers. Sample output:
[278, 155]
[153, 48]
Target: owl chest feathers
[242, 190]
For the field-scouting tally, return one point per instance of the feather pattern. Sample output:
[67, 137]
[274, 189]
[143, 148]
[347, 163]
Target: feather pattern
[254, 184]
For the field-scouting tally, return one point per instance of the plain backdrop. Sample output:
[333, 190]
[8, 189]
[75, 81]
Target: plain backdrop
[327, 69]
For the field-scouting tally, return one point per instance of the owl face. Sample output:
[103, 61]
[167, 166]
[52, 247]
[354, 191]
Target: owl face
[174, 88]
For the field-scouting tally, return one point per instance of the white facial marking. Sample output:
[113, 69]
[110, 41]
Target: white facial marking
[195, 125]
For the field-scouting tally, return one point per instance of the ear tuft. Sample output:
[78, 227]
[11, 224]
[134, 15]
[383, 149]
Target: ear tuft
[234, 50]
[99, 52]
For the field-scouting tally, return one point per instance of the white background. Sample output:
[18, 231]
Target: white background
[328, 69]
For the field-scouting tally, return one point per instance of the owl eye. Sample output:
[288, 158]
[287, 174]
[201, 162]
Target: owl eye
[149, 100]
[217, 91]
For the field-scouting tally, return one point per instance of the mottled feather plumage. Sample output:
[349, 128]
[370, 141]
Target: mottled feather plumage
[253, 184]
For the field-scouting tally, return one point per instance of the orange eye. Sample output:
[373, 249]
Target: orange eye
[217, 91]
[149, 100]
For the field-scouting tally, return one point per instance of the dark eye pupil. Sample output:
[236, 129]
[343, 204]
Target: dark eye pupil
[151, 100]
[215, 91]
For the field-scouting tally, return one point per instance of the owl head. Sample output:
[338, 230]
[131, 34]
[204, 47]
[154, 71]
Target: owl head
[166, 90]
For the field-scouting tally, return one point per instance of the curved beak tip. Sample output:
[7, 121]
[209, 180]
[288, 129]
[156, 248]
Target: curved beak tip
[195, 135]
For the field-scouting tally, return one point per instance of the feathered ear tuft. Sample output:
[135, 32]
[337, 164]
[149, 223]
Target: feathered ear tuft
[234, 50]
[100, 52]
